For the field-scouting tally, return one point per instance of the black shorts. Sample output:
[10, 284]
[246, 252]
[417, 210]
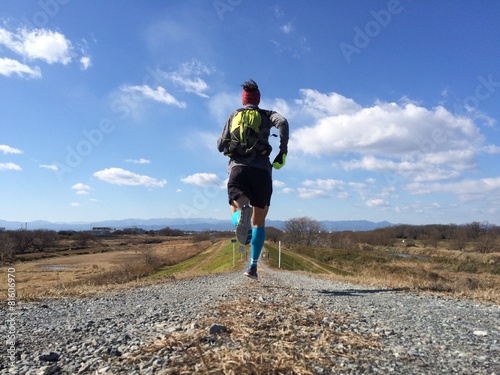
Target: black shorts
[255, 183]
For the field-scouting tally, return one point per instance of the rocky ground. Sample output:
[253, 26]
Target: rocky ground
[285, 323]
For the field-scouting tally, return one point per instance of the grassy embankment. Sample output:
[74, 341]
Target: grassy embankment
[461, 274]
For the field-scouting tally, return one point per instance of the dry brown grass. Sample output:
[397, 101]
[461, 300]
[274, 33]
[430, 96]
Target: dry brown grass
[441, 271]
[267, 334]
[446, 276]
[80, 275]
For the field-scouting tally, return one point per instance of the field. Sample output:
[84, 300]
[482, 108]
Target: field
[109, 263]
[136, 260]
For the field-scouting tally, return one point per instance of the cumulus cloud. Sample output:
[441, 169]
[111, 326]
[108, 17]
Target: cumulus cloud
[305, 193]
[51, 167]
[119, 176]
[403, 138]
[81, 189]
[406, 131]
[376, 202]
[159, 94]
[467, 189]
[187, 77]
[9, 150]
[9, 67]
[320, 105]
[328, 184]
[9, 167]
[203, 179]
[49, 46]
[85, 62]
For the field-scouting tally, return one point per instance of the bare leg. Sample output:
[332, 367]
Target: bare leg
[259, 216]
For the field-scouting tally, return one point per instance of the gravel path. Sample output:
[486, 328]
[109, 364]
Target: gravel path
[415, 334]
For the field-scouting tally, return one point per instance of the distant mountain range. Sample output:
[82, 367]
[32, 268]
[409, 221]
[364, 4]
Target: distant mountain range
[191, 224]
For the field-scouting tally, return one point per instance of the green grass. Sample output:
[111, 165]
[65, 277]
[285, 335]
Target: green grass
[221, 261]
[291, 261]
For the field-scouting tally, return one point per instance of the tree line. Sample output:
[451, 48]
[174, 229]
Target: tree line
[32, 241]
[476, 236]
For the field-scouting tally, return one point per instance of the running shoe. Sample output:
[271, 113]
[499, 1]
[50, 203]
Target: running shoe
[251, 272]
[244, 226]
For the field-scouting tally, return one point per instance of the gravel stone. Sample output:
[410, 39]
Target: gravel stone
[419, 334]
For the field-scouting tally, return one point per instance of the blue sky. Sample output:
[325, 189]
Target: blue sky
[112, 109]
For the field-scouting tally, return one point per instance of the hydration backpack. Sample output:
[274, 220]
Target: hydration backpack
[248, 135]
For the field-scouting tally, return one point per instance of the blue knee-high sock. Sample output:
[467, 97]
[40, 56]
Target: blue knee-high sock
[258, 238]
[235, 218]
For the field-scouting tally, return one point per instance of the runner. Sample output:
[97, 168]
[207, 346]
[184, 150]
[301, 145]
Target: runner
[245, 140]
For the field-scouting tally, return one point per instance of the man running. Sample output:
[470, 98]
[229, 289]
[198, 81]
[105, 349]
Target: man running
[245, 140]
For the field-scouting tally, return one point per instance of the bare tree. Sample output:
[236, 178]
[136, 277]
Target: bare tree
[43, 238]
[83, 238]
[302, 231]
[274, 235]
[22, 239]
[485, 243]
[7, 245]
[459, 238]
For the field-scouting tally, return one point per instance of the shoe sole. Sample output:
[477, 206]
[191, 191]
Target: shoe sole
[251, 276]
[244, 226]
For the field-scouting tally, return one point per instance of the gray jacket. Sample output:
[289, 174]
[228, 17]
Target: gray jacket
[273, 119]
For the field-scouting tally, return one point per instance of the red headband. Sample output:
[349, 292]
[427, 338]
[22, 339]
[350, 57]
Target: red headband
[250, 97]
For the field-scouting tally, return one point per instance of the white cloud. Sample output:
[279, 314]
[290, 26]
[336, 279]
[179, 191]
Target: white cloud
[431, 168]
[81, 189]
[287, 28]
[278, 184]
[74, 204]
[138, 161]
[305, 193]
[159, 94]
[385, 128]
[51, 167]
[85, 62]
[9, 167]
[118, 176]
[81, 186]
[376, 203]
[467, 189]
[403, 138]
[491, 149]
[193, 85]
[320, 105]
[187, 77]
[49, 46]
[9, 150]
[10, 67]
[203, 179]
[328, 184]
